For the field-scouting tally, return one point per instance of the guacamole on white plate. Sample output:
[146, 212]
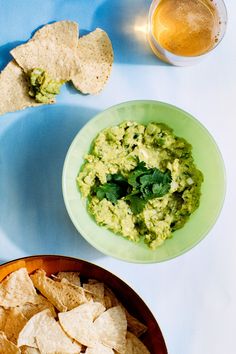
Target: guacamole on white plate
[140, 181]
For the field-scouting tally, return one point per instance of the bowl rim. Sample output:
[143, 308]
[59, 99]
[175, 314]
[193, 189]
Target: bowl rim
[93, 120]
[85, 262]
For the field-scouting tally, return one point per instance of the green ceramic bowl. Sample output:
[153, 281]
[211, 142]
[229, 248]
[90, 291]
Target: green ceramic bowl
[207, 157]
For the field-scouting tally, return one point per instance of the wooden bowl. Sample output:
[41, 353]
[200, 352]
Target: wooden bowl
[52, 264]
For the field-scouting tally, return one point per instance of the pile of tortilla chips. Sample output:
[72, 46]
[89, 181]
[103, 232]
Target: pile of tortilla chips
[61, 315]
[57, 49]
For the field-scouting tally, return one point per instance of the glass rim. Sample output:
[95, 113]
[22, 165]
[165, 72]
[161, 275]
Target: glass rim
[152, 8]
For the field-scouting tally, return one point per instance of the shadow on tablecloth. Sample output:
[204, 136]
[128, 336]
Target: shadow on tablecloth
[32, 211]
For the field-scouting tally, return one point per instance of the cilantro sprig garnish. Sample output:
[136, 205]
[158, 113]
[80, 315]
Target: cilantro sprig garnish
[142, 185]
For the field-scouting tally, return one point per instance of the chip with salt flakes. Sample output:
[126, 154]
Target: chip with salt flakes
[63, 295]
[14, 324]
[12, 293]
[42, 331]
[99, 349]
[6, 346]
[111, 327]
[134, 345]
[95, 57]
[72, 277]
[78, 323]
[14, 89]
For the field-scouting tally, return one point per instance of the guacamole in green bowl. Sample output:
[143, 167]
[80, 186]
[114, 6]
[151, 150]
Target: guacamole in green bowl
[138, 183]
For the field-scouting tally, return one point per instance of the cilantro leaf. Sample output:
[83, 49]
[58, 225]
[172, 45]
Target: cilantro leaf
[133, 179]
[142, 185]
[110, 191]
[137, 204]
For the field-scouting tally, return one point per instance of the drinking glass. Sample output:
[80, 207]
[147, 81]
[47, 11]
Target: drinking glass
[180, 60]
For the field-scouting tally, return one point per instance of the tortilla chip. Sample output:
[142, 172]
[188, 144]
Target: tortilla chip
[96, 290]
[134, 345]
[78, 323]
[72, 277]
[29, 350]
[134, 325]
[14, 89]
[111, 327]
[64, 33]
[42, 331]
[58, 61]
[7, 347]
[111, 298]
[100, 349]
[3, 318]
[63, 295]
[17, 289]
[29, 310]
[95, 57]
[14, 324]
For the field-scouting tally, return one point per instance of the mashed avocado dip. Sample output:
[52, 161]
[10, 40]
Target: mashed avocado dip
[140, 181]
[42, 87]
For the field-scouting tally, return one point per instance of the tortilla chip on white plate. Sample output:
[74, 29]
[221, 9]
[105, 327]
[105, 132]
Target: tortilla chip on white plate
[78, 323]
[6, 346]
[17, 289]
[14, 89]
[95, 58]
[111, 327]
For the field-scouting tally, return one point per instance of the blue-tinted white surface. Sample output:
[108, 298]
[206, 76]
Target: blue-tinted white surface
[193, 296]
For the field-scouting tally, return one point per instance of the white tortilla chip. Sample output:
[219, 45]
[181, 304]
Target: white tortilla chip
[95, 58]
[17, 289]
[111, 327]
[134, 345]
[72, 277]
[57, 60]
[64, 33]
[29, 350]
[7, 347]
[99, 349]
[41, 303]
[63, 295]
[42, 331]
[3, 318]
[96, 290]
[78, 323]
[14, 324]
[14, 89]
[134, 325]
